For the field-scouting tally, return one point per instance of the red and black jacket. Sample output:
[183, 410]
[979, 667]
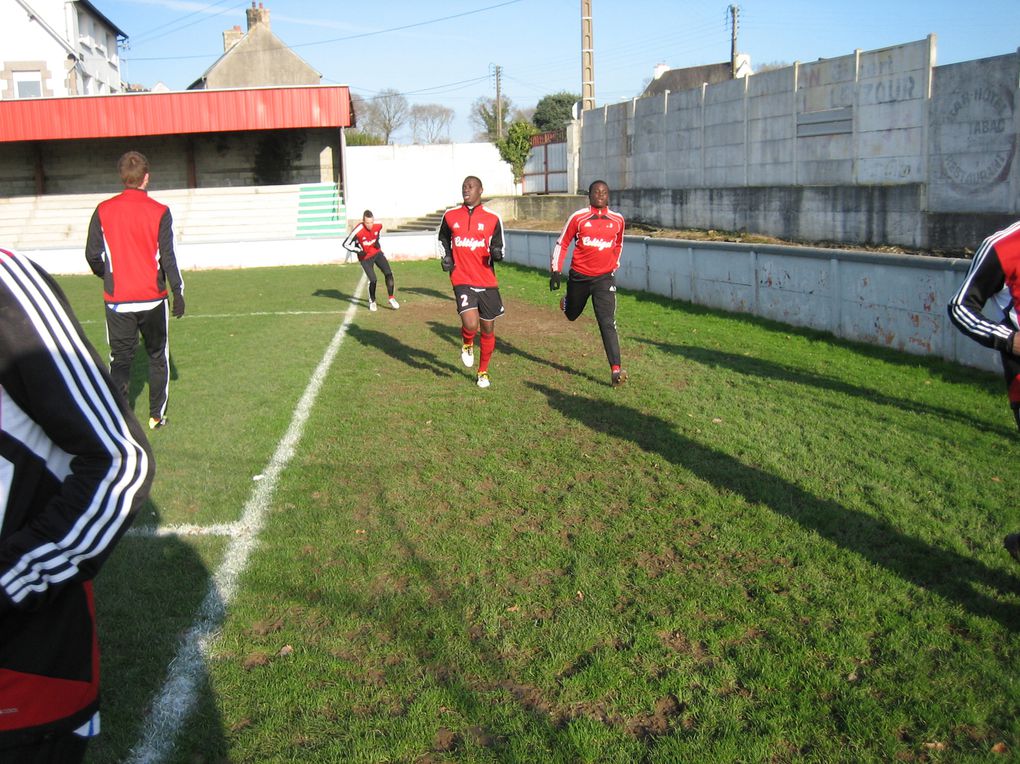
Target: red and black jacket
[364, 242]
[75, 468]
[597, 236]
[131, 246]
[473, 237]
[994, 274]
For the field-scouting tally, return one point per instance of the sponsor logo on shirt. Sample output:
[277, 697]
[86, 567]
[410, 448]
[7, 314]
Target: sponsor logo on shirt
[481, 226]
[599, 244]
[456, 226]
[466, 243]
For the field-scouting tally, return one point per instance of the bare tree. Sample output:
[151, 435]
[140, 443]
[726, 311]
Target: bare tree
[388, 111]
[430, 123]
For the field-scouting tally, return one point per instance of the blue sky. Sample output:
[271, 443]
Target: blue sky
[445, 52]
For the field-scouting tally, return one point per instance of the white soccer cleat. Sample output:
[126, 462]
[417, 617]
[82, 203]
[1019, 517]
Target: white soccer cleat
[483, 379]
[467, 355]
[394, 304]
[372, 306]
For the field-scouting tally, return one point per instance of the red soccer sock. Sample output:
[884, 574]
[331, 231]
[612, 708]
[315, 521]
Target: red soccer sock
[469, 336]
[615, 367]
[1014, 391]
[488, 343]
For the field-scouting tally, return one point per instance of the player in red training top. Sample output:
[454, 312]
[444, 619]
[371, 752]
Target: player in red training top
[597, 235]
[472, 240]
[363, 241]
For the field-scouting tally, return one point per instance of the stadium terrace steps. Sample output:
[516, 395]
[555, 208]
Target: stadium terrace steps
[203, 215]
[428, 222]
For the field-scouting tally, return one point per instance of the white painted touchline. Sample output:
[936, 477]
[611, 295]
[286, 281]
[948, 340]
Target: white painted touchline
[197, 316]
[165, 531]
[177, 698]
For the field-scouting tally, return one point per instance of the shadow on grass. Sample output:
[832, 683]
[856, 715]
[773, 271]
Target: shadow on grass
[758, 367]
[427, 292]
[336, 294]
[451, 333]
[946, 370]
[940, 571]
[147, 595]
[414, 357]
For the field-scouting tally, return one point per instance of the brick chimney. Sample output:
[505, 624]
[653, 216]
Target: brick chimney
[257, 16]
[231, 37]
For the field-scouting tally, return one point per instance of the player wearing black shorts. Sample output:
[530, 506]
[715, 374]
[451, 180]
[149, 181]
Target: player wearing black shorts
[472, 240]
[363, 240]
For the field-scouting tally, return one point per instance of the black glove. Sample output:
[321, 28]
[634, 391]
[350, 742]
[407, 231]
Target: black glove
[178, 305]
[448, 263]
[554, 280]
[496, 255]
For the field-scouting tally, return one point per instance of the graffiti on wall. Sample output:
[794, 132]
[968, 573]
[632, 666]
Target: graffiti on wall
[977, 137]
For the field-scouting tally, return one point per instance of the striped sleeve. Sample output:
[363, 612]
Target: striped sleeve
[559, 253]
[75, 466]
[351, 243]
[985, 279]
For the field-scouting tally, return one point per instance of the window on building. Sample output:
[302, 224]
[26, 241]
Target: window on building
[27, 84]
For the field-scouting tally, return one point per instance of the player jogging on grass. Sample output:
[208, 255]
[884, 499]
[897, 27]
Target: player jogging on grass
[597, 235]
[472, 240]
[363, 241]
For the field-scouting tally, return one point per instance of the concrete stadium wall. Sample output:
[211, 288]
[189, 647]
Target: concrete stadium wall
[895, 301]
[402, 182]
[806, 144]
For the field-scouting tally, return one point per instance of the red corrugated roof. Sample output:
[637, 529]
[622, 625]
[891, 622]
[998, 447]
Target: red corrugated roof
[191, 111]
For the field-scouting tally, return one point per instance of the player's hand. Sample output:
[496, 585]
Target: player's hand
[496, 255]
[178, 305]
[554, 280]
[447, 263]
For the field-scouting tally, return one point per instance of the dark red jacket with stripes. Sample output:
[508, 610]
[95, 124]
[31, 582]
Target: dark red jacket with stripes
[75, 467]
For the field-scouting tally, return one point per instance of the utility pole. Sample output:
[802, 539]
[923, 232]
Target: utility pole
[734, 11]
[587, 58]
[499, 104]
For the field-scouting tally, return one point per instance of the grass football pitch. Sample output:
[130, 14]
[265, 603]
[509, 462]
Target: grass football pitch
[769, 545]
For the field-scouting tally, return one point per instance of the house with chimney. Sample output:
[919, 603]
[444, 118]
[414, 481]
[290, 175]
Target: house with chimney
[256, 58]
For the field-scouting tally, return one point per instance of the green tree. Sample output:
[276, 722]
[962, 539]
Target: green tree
[483, 117]
[514, 149]
[553, 112]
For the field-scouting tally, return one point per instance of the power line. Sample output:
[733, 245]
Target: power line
[353, 36]
[164, 30]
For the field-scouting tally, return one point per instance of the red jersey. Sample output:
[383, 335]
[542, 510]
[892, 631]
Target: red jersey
[364, 241]
[597, 236]
[473, 236]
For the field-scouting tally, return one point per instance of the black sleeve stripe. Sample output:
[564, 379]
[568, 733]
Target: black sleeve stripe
[108, 502]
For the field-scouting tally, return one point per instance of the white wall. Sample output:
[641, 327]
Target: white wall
[403, 182]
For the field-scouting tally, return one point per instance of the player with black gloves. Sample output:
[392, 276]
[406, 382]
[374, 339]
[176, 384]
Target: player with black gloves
[597, 235]
[472, 240]
[131, 248]
[363, 240]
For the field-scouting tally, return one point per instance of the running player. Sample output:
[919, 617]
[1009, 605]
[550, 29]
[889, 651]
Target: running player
[363, 241]
[472, 240]
[597, 235]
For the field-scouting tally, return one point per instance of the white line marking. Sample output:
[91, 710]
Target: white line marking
[170, 709]
[195, 317]
[164, 531]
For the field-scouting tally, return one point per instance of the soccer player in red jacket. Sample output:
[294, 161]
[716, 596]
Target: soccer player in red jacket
[472, 240]
[75, 468]
[363, 240]
[994, 276]
[597, 235]
[131, 248]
